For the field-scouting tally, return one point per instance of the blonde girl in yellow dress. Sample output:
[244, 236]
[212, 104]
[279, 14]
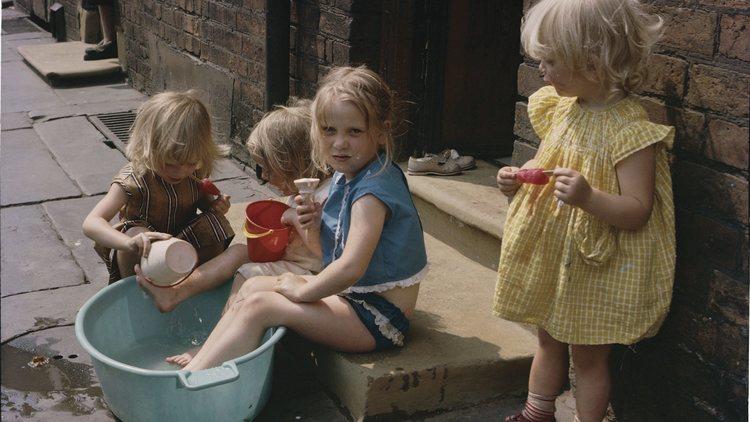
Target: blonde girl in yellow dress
[588, 257]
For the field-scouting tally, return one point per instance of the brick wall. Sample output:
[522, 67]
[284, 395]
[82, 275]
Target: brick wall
[696, 367]
[227, 40]
[40, 9]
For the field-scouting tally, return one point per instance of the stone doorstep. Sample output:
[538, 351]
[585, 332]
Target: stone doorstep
[457, 352]
[466, 211]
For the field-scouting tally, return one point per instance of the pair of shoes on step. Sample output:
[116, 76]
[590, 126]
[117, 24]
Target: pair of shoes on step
[101, 51]
[447, 163]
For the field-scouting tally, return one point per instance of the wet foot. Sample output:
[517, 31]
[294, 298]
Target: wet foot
[184, 358]
[165, 299]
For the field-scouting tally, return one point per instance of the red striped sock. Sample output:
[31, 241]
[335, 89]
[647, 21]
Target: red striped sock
[539, 408]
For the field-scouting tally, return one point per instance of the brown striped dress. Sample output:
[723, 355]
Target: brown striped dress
[167, 208]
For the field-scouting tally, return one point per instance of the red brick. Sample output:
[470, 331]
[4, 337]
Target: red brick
[340, 54]
[703, 188]
[320, 47]
[529, 79]
[522, 152]
[337, 25]
[253, 49]
[720, 90]
[688, 124]
[666, 76]
[728, 297]
[734, 4]
[728, 143]
[251, 24]
[734, 41]
[522, 126]
[688, 29]
[255, 5]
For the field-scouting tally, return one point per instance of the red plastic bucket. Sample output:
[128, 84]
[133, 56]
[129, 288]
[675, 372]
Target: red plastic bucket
[267, 238]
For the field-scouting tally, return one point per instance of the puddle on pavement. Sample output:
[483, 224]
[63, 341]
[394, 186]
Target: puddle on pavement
[57, 386]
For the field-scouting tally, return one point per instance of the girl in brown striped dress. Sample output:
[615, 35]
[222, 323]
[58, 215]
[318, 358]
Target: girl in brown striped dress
[156, 193]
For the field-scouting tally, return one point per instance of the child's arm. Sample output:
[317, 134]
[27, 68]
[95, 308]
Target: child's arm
[367, 219]
[306, 224]
[631, 209]
[96, 225]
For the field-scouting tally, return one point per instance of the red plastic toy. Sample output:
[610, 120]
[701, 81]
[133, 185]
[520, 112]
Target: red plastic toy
[533, 176]
[208, 187]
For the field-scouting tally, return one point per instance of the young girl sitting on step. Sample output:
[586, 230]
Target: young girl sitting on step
[280, 144]
[588, 257]
[156, 194]
[370, 238]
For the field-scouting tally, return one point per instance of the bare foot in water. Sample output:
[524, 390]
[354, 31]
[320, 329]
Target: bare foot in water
[164, 298]
[184, 358]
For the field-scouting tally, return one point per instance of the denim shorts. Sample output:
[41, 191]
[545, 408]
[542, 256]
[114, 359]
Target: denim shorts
[384, 320]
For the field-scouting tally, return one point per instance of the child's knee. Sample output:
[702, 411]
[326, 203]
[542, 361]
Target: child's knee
[258, 305]
[590, 357]
[547, 342]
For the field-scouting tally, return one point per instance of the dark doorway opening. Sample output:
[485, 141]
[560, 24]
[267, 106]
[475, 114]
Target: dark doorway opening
[462, 67]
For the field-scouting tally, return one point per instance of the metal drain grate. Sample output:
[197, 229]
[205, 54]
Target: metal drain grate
[18, 26]
[115, 127]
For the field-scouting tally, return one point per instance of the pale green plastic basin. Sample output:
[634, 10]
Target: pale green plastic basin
[128, 338]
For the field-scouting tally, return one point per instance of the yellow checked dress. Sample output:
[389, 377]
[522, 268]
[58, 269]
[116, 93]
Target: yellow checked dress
[580, 279]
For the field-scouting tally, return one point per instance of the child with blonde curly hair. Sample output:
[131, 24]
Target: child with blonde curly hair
[156, 194]
[589, 256]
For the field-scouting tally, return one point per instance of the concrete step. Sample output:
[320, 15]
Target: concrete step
[466, 211]
[457, 352]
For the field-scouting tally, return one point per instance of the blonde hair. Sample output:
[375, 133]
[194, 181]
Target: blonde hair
[369, 93]
[614, 38]
[173, 126]
[280, 142]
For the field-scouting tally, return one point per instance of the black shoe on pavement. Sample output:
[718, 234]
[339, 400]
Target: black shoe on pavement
[101, 51]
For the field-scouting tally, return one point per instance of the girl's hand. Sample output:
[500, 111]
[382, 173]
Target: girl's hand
[221, 204]
[141, 243]
[290, 285]
[309, 214]
[571, 187]
[506, 180]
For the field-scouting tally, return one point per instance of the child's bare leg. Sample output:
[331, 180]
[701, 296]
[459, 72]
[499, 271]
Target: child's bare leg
[206, 277]
[591, 364]
[208, 253]
[330, 321]
[549, 369]
[127, 260]
[228, 314]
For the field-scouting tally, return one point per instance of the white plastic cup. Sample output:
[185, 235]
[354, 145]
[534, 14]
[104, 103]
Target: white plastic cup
[169, 261]
[306, 187]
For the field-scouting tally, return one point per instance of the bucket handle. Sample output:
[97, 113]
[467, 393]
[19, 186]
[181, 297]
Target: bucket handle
[198, 380]
[254, 235]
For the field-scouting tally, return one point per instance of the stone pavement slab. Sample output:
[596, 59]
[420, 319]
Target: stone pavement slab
[79, 149]
[28, 173]
[32, 256]
[225, 168]
[244, 190]
[10, 48]
[23, 90]
[54, 112]
[12, 121]
[104, 93]
[34, 311]
[66, 217]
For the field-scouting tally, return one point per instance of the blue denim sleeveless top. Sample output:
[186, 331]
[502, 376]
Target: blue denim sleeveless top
[400, 258]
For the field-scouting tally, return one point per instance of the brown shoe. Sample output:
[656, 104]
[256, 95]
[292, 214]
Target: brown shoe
[101, 51]
[432, 165]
